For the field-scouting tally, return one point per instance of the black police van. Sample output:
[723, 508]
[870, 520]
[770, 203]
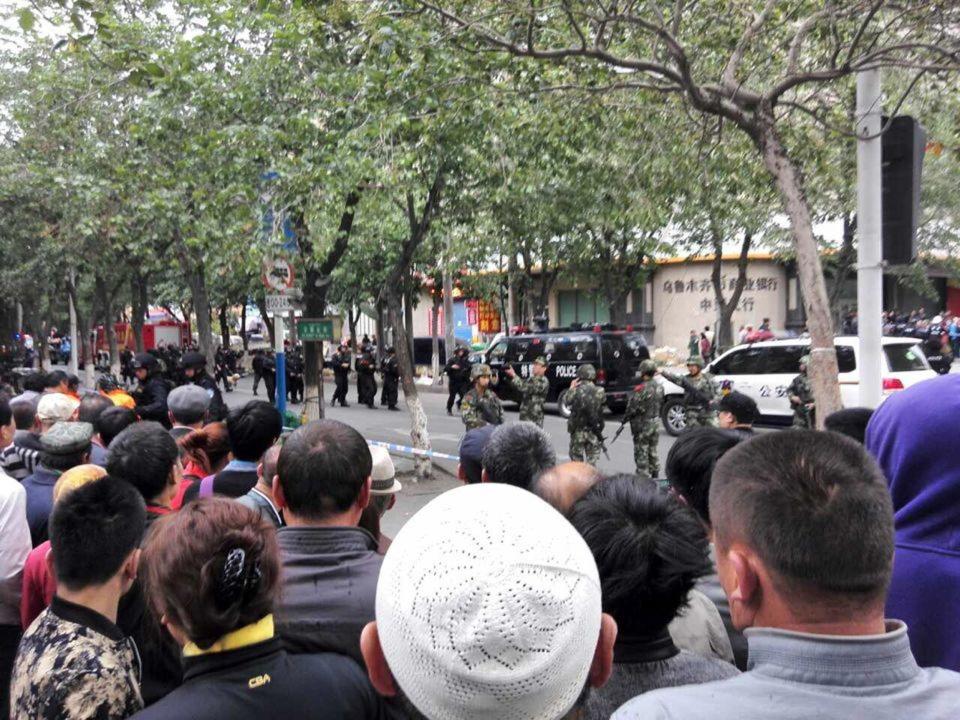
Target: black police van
[615, 354]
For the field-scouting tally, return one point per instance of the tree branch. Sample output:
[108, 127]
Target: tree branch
[729, 77]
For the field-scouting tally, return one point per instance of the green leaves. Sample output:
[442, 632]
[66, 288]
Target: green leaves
[26, 19]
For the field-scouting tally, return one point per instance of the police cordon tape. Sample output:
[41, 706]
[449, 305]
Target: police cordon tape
[407, 450]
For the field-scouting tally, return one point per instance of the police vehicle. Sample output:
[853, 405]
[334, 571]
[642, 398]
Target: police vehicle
[764, 370]
[615, 353]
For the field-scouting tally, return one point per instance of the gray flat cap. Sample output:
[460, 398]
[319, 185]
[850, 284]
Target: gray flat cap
[67, 438]
[188, 400]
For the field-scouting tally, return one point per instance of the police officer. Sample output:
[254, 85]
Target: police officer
[585, 425]
[390, 370]
[457, 370]
[481, 406]
[699, 393]
[533, 391]
[257, 365]
[366, 383]
[295, 375]
[152, 390]
[220, 372]
[269, 372]
[340, 361]
[643, 414]
[800, 395]
[194, 367]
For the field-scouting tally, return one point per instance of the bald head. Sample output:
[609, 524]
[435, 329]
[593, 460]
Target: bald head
[268, 464]
[561, 486]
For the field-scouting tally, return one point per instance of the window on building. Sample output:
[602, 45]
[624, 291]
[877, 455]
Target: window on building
[580, 306]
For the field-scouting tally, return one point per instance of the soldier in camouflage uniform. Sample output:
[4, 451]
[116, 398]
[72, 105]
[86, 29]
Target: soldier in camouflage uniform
[585, 425]
[699, 393]
[533, 391]
[643, 414]
[800, 395]
[481, 406]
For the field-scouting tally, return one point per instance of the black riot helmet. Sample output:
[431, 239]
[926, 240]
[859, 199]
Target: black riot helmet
[145, 361]
[194, 360]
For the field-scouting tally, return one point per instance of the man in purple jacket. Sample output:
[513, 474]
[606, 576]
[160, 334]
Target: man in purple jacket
[913, 437]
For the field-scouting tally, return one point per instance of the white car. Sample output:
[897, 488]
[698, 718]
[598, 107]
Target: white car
[764, 370]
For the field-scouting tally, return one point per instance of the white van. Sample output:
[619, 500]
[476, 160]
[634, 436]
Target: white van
[764, 370]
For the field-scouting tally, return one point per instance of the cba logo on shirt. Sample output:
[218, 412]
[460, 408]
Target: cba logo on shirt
[258, 681]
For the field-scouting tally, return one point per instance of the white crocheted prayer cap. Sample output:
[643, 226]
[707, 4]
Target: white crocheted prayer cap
[488, 607]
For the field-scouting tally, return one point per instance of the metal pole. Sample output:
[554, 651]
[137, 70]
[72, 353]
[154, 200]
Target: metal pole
[281, 358]
[869, 228]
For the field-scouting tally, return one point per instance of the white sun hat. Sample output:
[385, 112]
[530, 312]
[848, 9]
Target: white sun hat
[488, 607]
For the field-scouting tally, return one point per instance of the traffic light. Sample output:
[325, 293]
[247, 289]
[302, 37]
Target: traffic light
[904, 143]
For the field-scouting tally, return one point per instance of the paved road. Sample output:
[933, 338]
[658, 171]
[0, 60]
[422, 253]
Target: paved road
[445, 433]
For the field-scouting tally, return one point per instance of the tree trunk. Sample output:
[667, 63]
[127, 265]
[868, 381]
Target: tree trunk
[224, 326]
[724, 337]
[352, 318]
[419, 227]
[195, 273]
[616, 308]
[105, 298]
[138, 293]
[315, 287]
[89, 347]
[243, 325]
[379, 329]
[846, 260]
[435, 337]
[512, 291]
[262, 307]
[823, 356]
[449, 338]
[419, 436]
[76, 323]
[408, 319]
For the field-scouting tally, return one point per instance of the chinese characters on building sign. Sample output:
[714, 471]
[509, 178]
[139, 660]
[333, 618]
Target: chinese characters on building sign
[488, 318]
[765, 284]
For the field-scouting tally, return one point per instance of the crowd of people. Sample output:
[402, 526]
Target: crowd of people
[214, 567]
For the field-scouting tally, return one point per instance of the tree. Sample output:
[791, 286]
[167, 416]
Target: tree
[730, 63]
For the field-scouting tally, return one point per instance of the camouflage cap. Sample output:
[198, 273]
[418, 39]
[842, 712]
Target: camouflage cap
[66, 438]
[586, 372]
[540, 361]
[480, 370]
[695, 360]
[648, 367]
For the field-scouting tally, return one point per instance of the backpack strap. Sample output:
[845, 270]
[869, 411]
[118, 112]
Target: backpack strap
[206, 487]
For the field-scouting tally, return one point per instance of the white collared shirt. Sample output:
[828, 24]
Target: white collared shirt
[15, 545]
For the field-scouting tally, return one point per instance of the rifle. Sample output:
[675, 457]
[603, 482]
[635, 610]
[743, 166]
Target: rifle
[695, 393]
[626, 417]
[598, 431]
[488, 416]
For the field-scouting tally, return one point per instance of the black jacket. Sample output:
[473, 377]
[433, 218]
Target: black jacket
[231, 483]
[458, 375]
[151, 399]
[217, 409]
[329, 588]
[262, 681]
